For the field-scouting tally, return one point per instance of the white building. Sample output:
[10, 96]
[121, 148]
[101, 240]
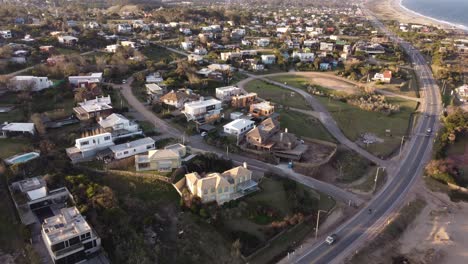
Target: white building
[462, 92]
[34, 83]
[128, 44]
[268, 59]
[68, 237]
[304, 56]
[226, 93]
[112, 48]
[133, 148]
[124, 28]
[203, 111]
[154, 78]
[186, 45]
[16, 128]
[325, 46]
[87, 147]
[263, 42]
[154, 90]
[76, 81]
[96, 108]
[119, 126]
[238, 127]
[67, 40]
[6, 34]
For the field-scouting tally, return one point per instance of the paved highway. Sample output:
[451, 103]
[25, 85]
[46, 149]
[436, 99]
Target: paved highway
[364, 225]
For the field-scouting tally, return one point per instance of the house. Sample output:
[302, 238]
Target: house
[7, 129]
[219, 187]
[325, 66]
[226, 93]
[133, 148]
[127, 43]
[268, 59]
[96, 108]
[325, 46]
[32, 194]
[263, 42]
[200, 51]
[246, 42]
[238, 127]
[243, 100]
[178, 98]
[385, 77]
[6, 34]
[179, 148]
[34, 83]
[261, 109]
[154, 90]
[304, 56]
[154, 78]
[462, 92]
[220, 67]
[67, 40]
[47, 49]
[119, 126]
[203, 111]
[124, 28]
[87, 147]
[85, 80]
[259, 136]
[186, 45]
[195, 58]
[112, 48]
[159, 160]
[68, 237]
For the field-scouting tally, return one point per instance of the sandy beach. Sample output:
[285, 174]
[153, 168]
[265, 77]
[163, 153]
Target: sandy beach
[391, 9]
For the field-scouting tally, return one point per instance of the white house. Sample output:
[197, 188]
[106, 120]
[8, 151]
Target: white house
[6, 34]
[68, 237]
[16, 128]
[226, 93]
[119, 126]
[112, 48]
[133, 148]
[127, 43]
[194, 58]
[238, 127]
[99, 107]
[462, 92]
[263, 42]
[268, 59]
[87, 147]
[34, 83]
[203, 111]
[186, 45]
[154, 90]
[325, 46]
[67, 40]
[124, 28]
[154, 78]
[76, 81]
[385, 77]
[304, 56]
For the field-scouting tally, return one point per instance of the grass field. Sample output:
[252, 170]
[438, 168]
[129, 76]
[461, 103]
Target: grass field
[13, 146]
[354, 121]
[277, 95]
[157, 53]
[303, 125]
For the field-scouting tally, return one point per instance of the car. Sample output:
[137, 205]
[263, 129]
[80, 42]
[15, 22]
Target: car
[428, 132]
[124, 81]
[204, 134]
[331, 239]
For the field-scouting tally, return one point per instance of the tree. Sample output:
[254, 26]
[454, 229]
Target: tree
[36, 118]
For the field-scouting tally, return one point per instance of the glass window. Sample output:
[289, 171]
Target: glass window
[125, 152]
[107, 138]
[212, 190]
[84, 143]
[220, 190]
[226, 189]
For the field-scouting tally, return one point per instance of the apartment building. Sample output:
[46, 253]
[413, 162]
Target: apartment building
[203, 111]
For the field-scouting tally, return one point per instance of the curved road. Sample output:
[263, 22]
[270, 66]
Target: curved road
[363, 225]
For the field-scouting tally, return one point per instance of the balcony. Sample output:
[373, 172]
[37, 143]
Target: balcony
[69, 249]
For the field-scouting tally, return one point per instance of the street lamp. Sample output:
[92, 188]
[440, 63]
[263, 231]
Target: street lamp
[318, 219]
[376, 176]
[401, 145]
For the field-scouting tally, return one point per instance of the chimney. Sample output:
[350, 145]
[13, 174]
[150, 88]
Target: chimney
[286, 130]
[245, 164]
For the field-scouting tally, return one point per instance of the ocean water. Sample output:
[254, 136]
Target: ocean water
[454, 12]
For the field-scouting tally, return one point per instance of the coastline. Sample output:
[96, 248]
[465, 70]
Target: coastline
[394, 9]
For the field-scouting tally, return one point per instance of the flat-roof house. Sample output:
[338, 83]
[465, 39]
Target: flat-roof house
[20, 83]
[96, 108]
[133, 148]
[263, 42]
[87, 147]
[6, 34]
[84, 80]
[304, 56]
[325, 46]
[154, 77]
[124, 28]
[238, 127]
[67, 40]
[68, 237]
[32, 194]
[186, 45]
[7, 129]
[119, 126]
[194, 58]
[154, 90]
[159, 160]
[262, 109]
[462, 92]
[219, 187]
[112, 48]
[227, 92]
[243, 100]
[203, 111]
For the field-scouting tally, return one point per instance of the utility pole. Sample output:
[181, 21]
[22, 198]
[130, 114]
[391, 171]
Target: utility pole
[376, 176]
[401, 145]
[318, 219]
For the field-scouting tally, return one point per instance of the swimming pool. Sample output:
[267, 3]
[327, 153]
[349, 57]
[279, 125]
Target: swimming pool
[22, 158]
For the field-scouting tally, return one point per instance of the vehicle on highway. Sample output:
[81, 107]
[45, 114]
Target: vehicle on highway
[428, 132]
[331, 239]
[124, 81]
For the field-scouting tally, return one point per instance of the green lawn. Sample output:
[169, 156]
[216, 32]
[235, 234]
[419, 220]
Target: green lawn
[65, 51]
[304, 125]
[13, 146]
[293, 80]
[157, 53]
[276, 94]
[273, 193]
[354, 121]
[16, 115]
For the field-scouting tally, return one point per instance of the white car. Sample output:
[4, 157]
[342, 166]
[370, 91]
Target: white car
[331, 239]
[204, 134]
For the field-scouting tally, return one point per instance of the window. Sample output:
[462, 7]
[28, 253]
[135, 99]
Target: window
[220, 190]
[212, 189]
[74, 241]
[125, 152]
[205, 191]
[226, 189]
[149, 147]
[84, 143]
[58, 246]
[107, 138]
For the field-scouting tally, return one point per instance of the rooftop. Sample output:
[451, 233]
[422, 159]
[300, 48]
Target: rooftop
[132, 144]
[68, 224]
